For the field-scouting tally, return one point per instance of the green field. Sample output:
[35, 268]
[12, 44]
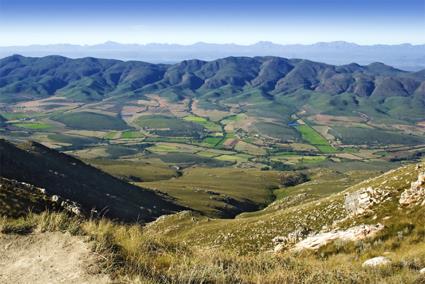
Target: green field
[111, 135]
[312, 159]
[297, 159]
[234, 158]
[228, 135]
[232, 118]
[311, 136]
[184, 159]
[33, 125]
[277, 154]
[13, 115]
[170, 126]
[169, 139]
[211, 141]
[206, 154]
[73, 140]
[210, 125]
[132, 134]
[161, 148]
[91, 121]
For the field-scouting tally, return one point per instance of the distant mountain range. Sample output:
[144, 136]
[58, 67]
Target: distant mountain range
[391, 92]
[402, 56]
[95, 79]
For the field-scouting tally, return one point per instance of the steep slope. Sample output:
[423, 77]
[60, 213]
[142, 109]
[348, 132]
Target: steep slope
[72, 179]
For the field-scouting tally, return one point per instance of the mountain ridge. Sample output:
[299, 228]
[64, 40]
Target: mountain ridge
[93, 79]
[406, 55]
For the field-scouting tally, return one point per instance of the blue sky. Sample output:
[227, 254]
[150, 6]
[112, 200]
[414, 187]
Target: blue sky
[25, 22]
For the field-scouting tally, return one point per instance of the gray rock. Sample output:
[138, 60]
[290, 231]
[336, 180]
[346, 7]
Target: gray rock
[376, 261]
[361, 201]
[55, 198]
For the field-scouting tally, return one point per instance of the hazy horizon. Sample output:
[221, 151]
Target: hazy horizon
[26, 22]
[216, 43]
[404, 56]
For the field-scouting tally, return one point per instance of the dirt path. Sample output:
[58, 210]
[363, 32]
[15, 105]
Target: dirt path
[47, 258]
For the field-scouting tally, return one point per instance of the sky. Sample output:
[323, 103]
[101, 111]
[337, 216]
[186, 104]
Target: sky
[26, 22]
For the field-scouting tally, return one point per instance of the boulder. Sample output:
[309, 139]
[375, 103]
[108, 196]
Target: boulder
[376, 261]
[422, 271]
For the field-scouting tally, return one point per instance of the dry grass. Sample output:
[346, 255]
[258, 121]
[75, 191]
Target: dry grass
[132, 256]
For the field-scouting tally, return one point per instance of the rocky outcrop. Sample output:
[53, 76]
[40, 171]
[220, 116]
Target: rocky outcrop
[361, 201]
[296, 241]
[415, 195]
[376, 261]
[352, 234]
[68, 205]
